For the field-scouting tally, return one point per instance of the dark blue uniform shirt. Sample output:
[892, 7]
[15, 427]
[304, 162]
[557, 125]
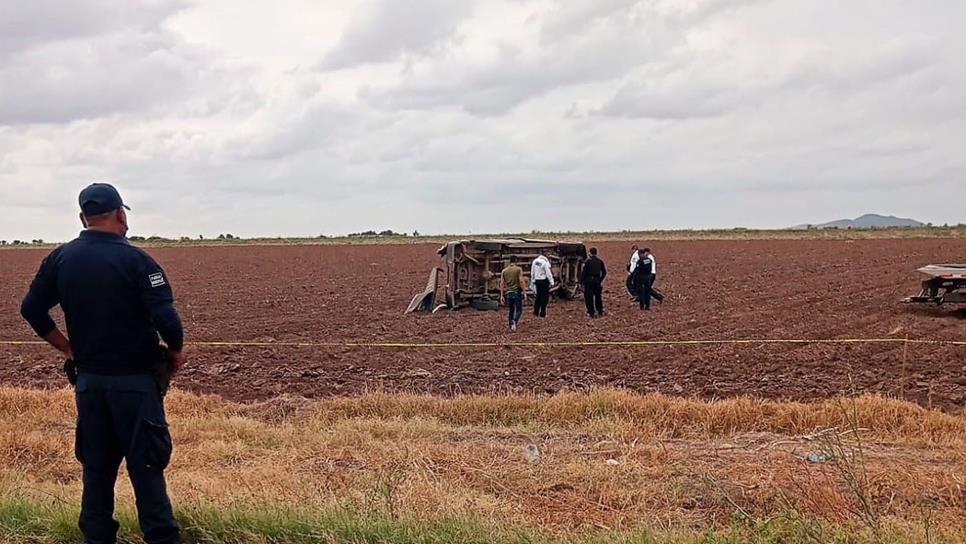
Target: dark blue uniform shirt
[116, 301]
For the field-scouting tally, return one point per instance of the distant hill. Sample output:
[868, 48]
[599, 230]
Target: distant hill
[867, 221]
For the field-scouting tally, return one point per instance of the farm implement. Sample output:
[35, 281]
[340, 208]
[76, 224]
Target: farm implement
[946, 283]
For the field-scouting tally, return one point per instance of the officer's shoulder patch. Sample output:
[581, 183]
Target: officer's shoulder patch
[156, 279]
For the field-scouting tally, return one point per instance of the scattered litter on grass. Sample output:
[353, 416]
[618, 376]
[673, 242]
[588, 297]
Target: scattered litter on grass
[532, 453]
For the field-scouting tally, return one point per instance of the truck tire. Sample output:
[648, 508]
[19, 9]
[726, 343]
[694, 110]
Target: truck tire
[485, 304]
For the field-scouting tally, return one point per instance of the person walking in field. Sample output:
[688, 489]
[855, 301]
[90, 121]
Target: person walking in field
[513, 291]
[116, 302]
[655, 293]
[542, 276]
[592, 277]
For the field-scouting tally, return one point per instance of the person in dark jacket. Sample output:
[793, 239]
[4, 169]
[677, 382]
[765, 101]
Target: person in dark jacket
[592, 278]
[116, 302]
[642, 279]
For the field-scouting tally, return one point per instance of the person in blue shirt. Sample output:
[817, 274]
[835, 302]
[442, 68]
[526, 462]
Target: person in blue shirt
[118, 305]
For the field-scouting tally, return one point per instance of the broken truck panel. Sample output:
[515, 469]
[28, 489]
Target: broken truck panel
[427, 299]
[471, 269]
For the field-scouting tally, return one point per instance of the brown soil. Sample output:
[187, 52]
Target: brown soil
[715, 289]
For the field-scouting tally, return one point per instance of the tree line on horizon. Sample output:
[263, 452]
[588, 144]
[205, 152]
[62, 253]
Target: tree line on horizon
[389, 233]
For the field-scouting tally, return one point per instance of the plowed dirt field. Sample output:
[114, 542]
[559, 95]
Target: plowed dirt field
[715, 289]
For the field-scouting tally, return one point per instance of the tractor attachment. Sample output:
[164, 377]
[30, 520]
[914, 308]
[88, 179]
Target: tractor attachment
[946, 284]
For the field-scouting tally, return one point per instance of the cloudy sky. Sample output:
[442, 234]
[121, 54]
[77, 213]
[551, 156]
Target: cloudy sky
[301, 117]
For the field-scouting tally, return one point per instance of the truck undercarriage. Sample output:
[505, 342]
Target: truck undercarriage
[471, 271]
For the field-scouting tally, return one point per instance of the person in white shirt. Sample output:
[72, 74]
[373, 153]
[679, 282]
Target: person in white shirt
[542, 276]
[635, 257]
[631, 266]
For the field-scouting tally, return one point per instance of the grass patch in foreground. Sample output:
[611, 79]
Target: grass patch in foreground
[23, 521]
[403, 468]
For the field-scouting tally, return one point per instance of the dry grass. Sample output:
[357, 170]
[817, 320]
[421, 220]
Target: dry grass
[609, 460]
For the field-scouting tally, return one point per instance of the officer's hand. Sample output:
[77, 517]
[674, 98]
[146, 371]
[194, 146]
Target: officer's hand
[502, 301]
[175, 361]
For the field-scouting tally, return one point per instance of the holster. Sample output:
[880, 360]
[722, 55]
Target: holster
[162, 372]
[70, 370]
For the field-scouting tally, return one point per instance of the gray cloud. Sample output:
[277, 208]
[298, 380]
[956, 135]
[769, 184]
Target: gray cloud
[568, 17]
[517, 75]
[389, 29]
[38, 22]
[715, 83]
[575, 43]
[314, 126]
[578, 41]
[102, 57]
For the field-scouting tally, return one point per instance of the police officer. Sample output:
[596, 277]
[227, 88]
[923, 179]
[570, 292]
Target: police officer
[592, 277]
[643, 278]
[116, 301]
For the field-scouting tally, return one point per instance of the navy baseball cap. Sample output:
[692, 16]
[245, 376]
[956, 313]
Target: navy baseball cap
[98, 198]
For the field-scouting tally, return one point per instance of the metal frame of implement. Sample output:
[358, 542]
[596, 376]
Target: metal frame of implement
[946, 284]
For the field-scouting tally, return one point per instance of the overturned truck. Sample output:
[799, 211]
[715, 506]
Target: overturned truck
[471, 269]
